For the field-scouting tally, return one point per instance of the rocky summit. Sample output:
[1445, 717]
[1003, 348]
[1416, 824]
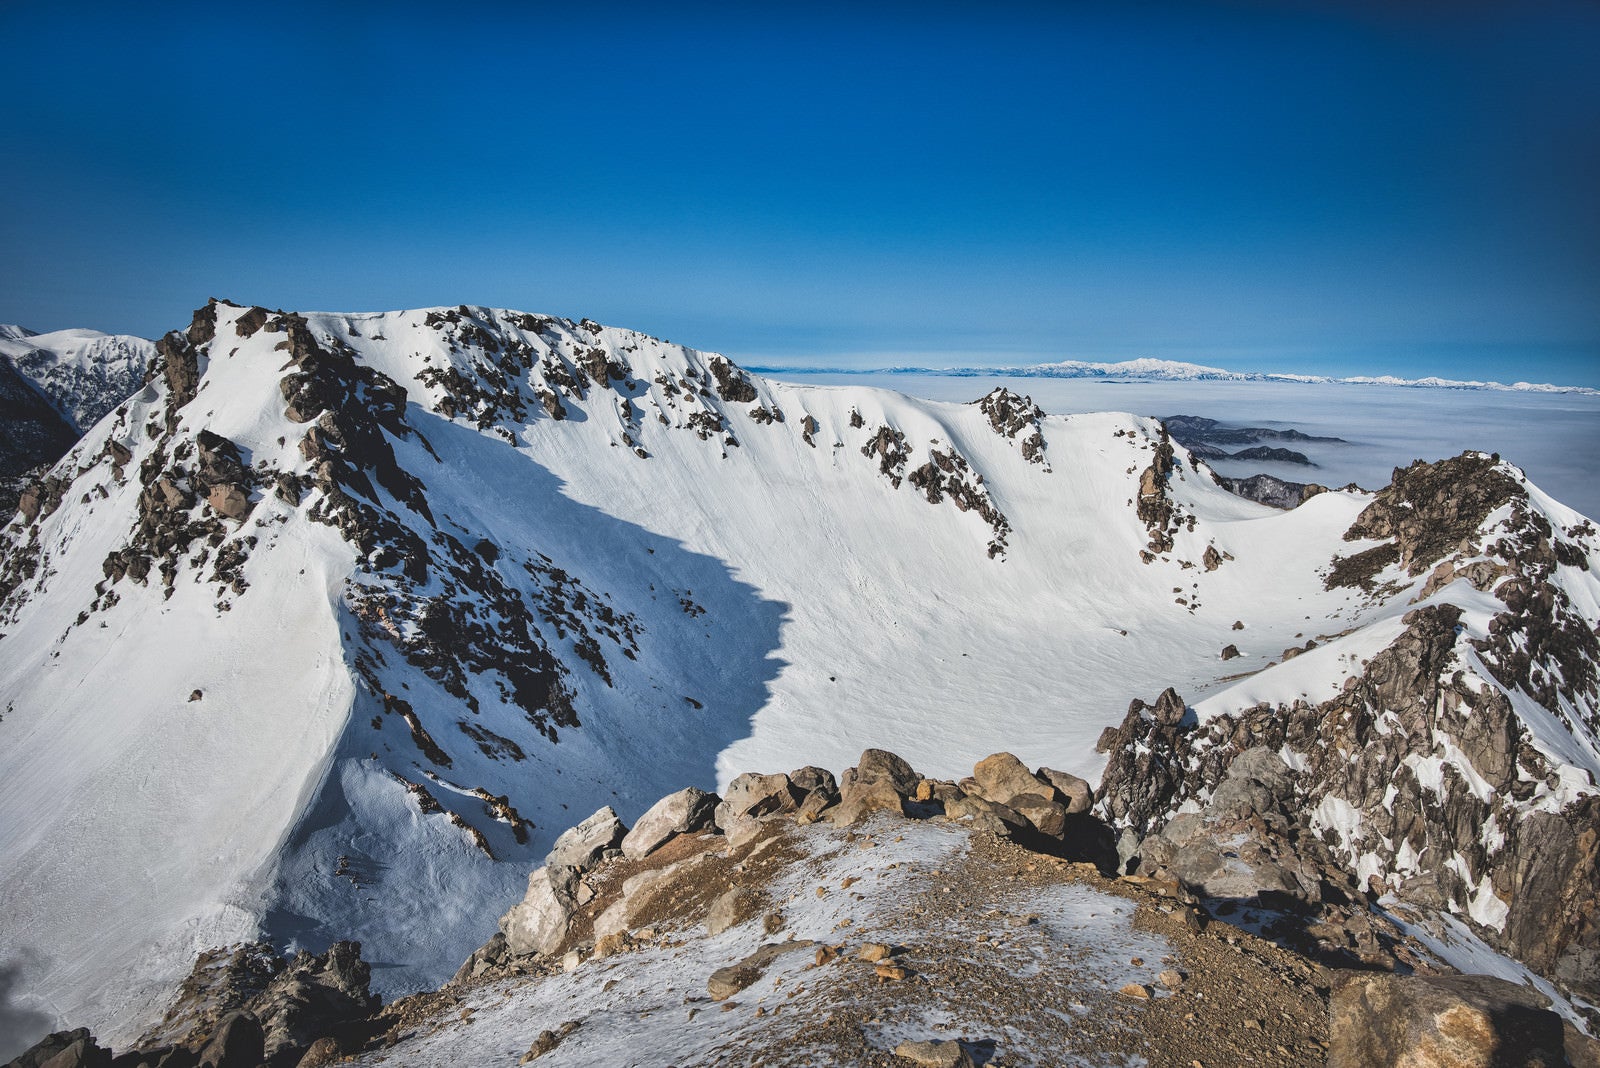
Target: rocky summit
[780, 926]
[317, 644]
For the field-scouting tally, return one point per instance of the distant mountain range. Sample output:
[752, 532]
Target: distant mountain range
[1150, 370]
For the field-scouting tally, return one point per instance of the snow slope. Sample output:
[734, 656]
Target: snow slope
[84, 373]
[463, 621]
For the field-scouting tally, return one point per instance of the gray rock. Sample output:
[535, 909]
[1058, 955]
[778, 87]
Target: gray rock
[1079, 795]
[756, 797]
[984, 815]
[316, 996]
[237, 1043]
[726, 982]
[880, 765]
[684, 812]
[540, 921]
[49, 1046]
[1047, 817]
[81, 1052]
[934, 1054]
[581, 847]
[730, 909]
[811, 778]
[880, 781]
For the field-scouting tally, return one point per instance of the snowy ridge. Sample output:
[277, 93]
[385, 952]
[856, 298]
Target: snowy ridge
[84, 373]
[387, 599]
[1147, 369]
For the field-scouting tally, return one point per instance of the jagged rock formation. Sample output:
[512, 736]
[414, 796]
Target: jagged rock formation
[1010, 415]
[1441, 773]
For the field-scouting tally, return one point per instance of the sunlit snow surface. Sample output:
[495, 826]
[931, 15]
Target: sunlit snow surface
[840, 612]
[1554, 437]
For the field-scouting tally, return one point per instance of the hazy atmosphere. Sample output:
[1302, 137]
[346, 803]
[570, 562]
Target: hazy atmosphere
[1317, 187]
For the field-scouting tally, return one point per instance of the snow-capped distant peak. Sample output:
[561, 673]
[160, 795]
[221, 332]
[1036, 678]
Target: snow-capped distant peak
[85, 373]
[1149, 369]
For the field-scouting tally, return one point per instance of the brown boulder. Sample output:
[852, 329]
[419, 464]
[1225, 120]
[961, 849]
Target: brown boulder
[880, 781]
[1079, 795]
[1455, 1021]
[229, 500]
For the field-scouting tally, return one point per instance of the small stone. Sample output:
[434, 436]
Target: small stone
[195, 695]
[825, 955]
[733, 907]
[1172, 979]
[1136, 990]
[887, 971]
[874, 951]
[772, 922]
[726, 982]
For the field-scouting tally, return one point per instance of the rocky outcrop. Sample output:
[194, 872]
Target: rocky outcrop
[1154, 506]
[1415, 777]
[249, 1006]
[732, 383]
[1270, 490]
[1011, 415]
[64, 1049]
[540, 922]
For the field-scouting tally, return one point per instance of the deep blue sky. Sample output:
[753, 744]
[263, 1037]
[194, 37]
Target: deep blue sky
[1321, 187]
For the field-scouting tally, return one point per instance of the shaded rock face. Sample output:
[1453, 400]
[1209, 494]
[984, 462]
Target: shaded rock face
[1456, 1021]
[1420, 776]
[249, 1006]
[1270, 490]
[33, 435]
[64, 1049]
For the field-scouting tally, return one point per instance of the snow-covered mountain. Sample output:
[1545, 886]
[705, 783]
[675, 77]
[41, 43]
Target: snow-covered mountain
[1148, 369]
[84, 373]
[329, 629]
[32, 433]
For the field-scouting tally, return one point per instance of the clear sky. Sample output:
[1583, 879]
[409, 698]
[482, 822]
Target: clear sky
[1345, 188]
